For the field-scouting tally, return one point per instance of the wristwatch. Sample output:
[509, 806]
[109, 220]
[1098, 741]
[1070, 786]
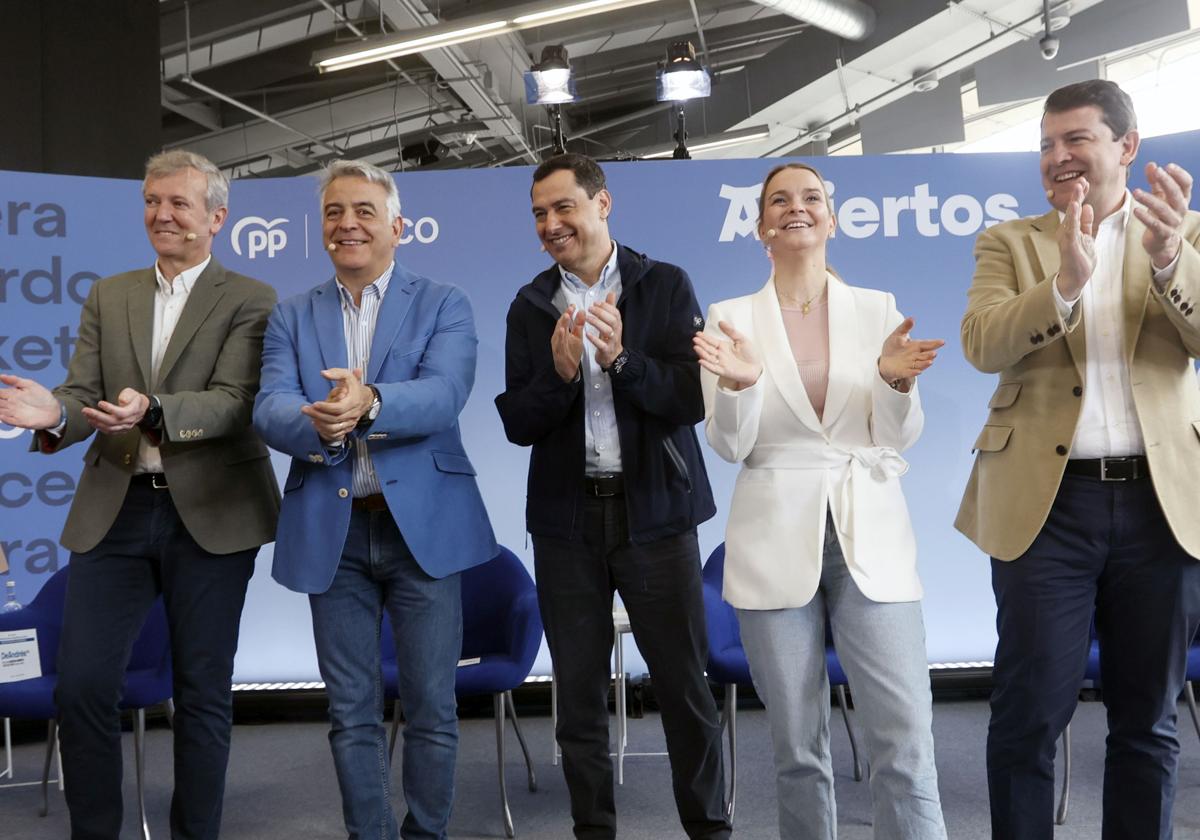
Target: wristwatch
[372, 412]
[618, 364]
[152, 419]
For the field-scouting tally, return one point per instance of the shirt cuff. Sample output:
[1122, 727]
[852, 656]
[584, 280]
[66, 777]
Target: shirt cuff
[1162, 276]
[58, 430]
[1064, 307]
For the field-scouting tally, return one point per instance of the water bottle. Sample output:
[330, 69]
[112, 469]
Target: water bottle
[11, 604]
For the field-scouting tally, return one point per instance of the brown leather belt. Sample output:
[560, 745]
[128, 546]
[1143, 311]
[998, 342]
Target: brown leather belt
[373, 502]
[1129, 468]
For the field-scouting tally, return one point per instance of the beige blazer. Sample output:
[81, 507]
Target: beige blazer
[1012, 328]
[796, 467]
[218, 470]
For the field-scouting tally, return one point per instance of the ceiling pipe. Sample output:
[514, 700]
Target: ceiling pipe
[849, 19]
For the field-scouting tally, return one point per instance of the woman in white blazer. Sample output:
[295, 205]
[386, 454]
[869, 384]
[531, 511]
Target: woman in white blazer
[810, 384]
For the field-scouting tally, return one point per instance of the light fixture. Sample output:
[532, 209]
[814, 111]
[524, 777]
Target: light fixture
[818, 135]
[473, 28]
[682, 78]
[716, 141]
[925, 81]
[549, 83]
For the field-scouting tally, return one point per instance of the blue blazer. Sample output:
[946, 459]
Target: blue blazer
[422, 361]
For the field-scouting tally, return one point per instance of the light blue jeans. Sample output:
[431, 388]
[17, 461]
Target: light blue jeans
[882, 650]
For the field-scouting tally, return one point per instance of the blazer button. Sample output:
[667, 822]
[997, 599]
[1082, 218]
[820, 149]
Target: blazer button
[1077, 391]
[128, 459]
[343, 492]
[1060, 449]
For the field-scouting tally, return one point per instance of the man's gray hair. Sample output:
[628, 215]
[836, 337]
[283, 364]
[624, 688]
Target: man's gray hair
[168, 163]
[362, 169]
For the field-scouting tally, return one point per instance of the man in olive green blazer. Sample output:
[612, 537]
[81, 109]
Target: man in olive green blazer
[176, 496]
[1084, 490]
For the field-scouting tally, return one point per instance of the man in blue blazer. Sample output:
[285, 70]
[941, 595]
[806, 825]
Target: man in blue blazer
[381, 509]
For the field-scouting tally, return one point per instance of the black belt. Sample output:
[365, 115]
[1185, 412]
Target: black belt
[1129, 468]
[373, 502]
[158, 481]
[604, 486]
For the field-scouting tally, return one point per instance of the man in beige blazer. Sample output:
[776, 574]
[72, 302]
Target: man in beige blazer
[1084, 486]
[176, 494]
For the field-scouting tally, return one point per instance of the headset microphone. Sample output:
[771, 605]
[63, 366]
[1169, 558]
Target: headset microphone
[191, 237]
[331, 247]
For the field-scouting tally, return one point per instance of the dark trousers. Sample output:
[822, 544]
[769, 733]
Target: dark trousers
[660, 585]
[1107, 549]
[109, 593]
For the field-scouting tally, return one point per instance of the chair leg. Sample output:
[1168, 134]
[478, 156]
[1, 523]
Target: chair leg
[139, 758]
[51, 748]
[169, 708]
[396, 715]
[512, 713]
[858, 767]
[1061, 817]
[729, 713]
[1191, 701]
[498, 708]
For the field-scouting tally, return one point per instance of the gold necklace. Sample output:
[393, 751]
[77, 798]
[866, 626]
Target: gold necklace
[805, 305]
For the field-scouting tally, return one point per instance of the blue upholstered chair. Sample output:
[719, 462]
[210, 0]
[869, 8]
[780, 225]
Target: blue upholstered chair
[727, 665]
[147, 679]
[502, 631]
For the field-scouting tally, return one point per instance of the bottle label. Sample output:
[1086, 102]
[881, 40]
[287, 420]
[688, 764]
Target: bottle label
[19, 658]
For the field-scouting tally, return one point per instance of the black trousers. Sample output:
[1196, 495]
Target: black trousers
[1105, 548]
[660, 586]
[109, 593]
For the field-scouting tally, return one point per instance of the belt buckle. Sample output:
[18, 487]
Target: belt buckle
[154, 481]
[1104, 462]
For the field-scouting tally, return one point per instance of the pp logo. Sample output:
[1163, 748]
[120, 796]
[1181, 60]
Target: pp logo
[264, 237]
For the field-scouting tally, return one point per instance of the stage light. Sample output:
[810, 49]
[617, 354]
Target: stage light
[682, 78]
[549, 82]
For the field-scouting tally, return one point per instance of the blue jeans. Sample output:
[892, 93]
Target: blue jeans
[882, 649]
[377, 571]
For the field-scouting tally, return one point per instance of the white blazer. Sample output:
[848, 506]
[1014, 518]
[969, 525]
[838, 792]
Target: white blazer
[795, 467]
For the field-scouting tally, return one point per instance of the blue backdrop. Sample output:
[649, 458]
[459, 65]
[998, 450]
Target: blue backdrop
[907, 225]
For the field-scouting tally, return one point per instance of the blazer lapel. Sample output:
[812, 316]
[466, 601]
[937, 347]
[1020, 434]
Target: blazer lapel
[778, 358]
[203, 297]
[1136, 276]
[1045, 244]
[843, 329]
[392, 313]
[141, 323]
[327, 316]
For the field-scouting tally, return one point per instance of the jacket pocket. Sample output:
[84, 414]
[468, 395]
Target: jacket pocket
[677, 459]
[1006, 395]
[402, 350]
[992, 439]
[450, 462]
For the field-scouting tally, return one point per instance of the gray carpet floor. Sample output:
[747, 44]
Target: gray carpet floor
[281, 783]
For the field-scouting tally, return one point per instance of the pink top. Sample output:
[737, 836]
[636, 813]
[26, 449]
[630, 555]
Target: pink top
[808, 336]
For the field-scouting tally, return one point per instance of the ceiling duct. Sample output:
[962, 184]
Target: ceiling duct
[849, 19]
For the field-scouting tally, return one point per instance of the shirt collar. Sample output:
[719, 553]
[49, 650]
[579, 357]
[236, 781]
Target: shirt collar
[187, 278]
[608, 274]
[1119, 219]
[380, 285]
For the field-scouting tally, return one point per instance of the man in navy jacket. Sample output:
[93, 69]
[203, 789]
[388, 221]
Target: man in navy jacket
[601, 382]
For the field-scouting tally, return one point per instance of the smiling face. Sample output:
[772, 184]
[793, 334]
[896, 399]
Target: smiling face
[573, 227]
[175, 206]
[1078, 144]
[355, 220]
[795, 206]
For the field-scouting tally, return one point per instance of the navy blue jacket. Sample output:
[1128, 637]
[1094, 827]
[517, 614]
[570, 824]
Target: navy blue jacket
[657, 397]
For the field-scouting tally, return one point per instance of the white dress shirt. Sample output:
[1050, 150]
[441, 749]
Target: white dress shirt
[1108, 424]
[170, 296]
